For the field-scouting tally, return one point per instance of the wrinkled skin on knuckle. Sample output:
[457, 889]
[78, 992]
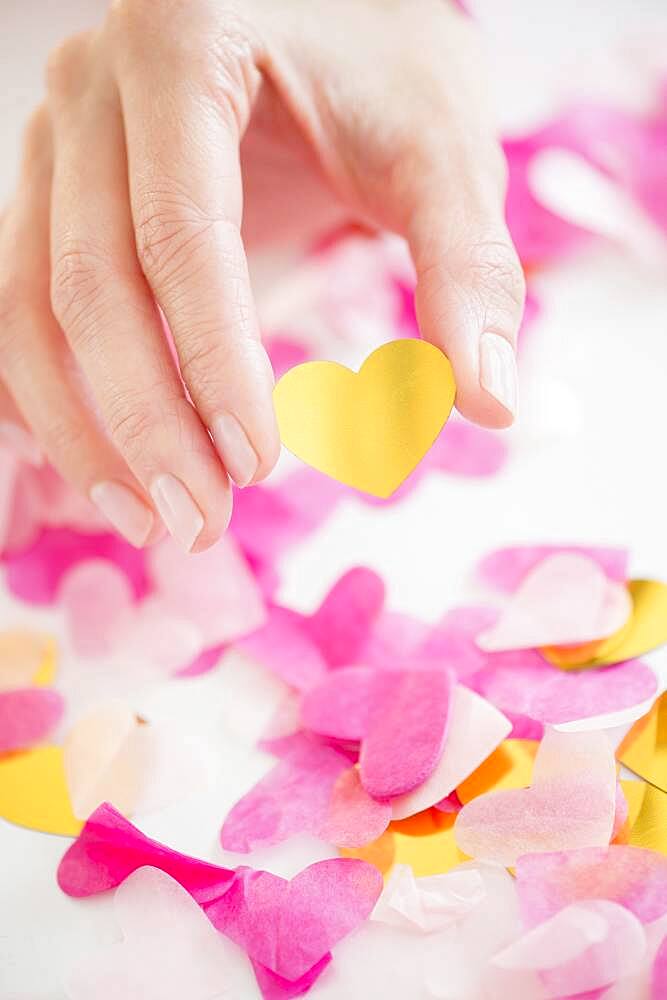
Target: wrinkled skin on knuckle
[80, 279]
[498, 278]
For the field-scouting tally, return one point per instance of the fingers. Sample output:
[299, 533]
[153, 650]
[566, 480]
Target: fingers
[107, 312]
[36, 364]
[183, 120]
[470, 295]
[15, 435]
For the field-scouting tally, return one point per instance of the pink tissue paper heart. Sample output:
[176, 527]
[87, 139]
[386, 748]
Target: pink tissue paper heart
[631, 876]
[570, 803]
[586, 946]
[524, 684]
[506, 569]
[28, 716]
[287, 926]
[313, 790]
[659, 973]
[565, 599]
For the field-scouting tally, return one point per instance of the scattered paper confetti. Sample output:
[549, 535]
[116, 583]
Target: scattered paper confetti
[33, 791]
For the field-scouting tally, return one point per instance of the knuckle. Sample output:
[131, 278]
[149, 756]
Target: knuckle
[62, 436]
[130, 420]
[78, 278]
[172, 232]
[64, 65]
[498, 276]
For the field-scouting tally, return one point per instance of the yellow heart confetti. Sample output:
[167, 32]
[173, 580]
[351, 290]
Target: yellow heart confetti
[33, 791]
[367, 430]
[650, 827]
[644, 749]
[646, 630]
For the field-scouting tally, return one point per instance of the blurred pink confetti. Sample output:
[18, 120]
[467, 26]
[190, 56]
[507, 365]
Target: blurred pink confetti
[28, 716]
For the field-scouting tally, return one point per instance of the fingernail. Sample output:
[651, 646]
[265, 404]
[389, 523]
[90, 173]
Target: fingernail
[237, 453]
[120, 505]
[180, 513]
[497, 369]
[21, 442]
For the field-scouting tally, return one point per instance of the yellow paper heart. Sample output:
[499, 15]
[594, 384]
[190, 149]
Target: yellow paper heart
[645, 630]
[367, 430]
[644, 748]
[33, 791]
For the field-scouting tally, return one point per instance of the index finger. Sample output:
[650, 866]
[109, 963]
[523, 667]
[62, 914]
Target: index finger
[184, 115]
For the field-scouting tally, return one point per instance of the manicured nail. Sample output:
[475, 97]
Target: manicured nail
[235, 450]
[120, 505]
[180, 513]
[21, 442]
[497, 369]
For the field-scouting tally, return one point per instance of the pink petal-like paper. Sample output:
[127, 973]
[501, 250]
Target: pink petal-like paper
[34, 574]
[570, 804]
[506, 569]
[342, 623]
[97, 600]
[453, 640]
[565, 599]
[342, 706]
[214, 589]
[275, 987]
[288, 926]
[659, 973]
[407, 733]
[169, 950]
[631, 876]
[283, 646]
[285, 353]
[292, 798]
[476, 728]
[353, 818]
[523, 683]
[28, 716]
[586, 946]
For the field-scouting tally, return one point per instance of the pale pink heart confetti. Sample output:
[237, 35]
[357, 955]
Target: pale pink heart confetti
[289, 927]
[631, 876]
[353, 818]
[506, 569]
[429, 903]
[97, 601]
[28, 716]
[566, 599]
[292, 798]
[214, 589]
[476, 728]
[407, 733]
[570, 804]
[586, 946]
[282, 646]
[169, 949]
[524, 684]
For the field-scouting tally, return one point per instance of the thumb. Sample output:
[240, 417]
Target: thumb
[470, 286]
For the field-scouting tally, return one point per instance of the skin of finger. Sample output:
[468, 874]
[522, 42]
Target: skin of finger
[441, 188]
[35, 361]
[106, 309]
[183, 122]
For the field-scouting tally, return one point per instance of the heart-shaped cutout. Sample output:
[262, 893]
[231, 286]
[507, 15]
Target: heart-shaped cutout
[367, 430]
[570, 804]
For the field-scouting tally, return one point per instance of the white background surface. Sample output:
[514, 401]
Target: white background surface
[588, 459]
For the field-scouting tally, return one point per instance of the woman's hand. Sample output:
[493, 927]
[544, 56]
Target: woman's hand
[154, 131]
